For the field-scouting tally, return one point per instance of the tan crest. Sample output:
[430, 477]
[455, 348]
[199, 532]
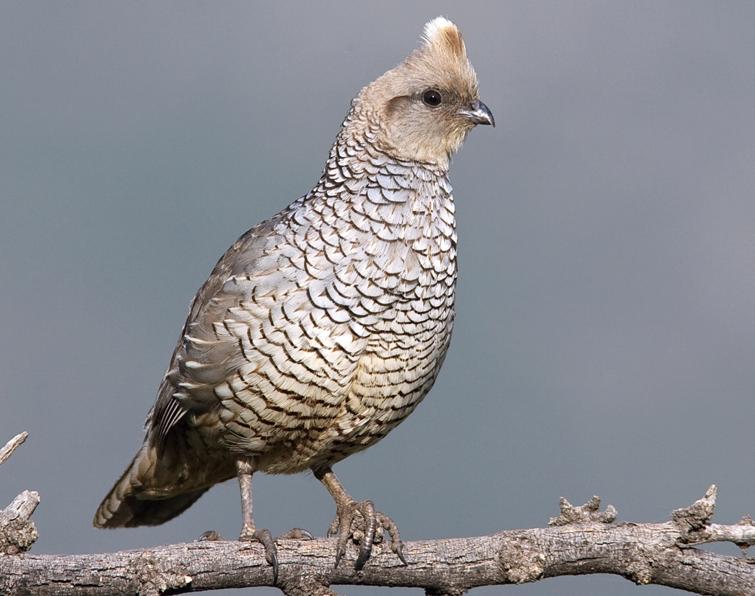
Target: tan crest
[442, 35]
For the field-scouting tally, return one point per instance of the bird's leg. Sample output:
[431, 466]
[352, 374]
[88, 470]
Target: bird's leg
[357, 520]
[249, 533]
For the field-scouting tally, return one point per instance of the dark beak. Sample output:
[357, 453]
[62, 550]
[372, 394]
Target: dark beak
[479, 113]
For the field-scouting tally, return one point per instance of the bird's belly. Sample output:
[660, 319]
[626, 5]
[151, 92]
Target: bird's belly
[388, 384]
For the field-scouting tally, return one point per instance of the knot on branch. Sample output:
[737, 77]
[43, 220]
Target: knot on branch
[521, 560]
[17, 531]
[691, 520]
[640, 572]
[588, 513]
[152, 577]
[306, 585]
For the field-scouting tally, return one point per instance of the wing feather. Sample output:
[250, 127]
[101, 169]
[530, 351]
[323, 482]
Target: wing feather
[203, 357]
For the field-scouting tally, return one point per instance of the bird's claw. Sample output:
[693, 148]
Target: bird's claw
[296, 534]
[266, 540]
[360, 522]
[396, 545]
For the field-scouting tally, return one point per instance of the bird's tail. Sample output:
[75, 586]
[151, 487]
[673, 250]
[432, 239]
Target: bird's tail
[160, 483]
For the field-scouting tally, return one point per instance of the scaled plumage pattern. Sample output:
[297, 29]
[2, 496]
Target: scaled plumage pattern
[322, 328]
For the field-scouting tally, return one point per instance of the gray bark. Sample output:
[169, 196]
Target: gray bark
[581, 540]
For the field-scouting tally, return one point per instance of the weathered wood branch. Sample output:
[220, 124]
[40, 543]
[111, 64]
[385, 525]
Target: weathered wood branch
[17, 531]
[581, 540]
[11, 446]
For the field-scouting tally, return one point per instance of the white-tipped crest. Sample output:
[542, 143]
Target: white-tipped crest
[432, 27]
[442, 34]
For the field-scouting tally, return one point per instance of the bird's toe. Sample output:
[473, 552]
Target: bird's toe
[265, 538]
[296, 534]
[361, 523]
[388, 525]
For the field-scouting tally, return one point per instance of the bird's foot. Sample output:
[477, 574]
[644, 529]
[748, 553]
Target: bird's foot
[296, 534]
[250, 534]
[360, 522]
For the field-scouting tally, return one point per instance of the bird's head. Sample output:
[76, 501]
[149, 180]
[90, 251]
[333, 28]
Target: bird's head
[426, 105]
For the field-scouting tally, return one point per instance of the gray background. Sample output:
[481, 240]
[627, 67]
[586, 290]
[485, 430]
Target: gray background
[605, 338]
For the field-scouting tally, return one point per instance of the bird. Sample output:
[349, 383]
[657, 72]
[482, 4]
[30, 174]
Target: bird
[322, 328]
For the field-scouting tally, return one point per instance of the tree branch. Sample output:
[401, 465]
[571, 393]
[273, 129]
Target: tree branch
[581, 540]
[11, 446]
[17, 531]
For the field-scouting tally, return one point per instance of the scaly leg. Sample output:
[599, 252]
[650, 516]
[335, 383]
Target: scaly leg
[357, 520]
[249, 532]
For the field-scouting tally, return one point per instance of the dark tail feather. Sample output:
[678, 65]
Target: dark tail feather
[161, 483]
[132, 511]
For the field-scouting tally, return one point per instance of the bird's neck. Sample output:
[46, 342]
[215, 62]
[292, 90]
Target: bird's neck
[358, 156]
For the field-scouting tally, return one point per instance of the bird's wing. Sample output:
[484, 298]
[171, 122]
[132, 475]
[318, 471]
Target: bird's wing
[203, 358]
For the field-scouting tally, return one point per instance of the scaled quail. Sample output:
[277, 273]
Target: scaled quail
[322, 328]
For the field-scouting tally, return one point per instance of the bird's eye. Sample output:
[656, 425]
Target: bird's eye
[432, 98]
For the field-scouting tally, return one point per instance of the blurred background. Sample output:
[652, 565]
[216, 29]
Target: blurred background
[605, 337]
